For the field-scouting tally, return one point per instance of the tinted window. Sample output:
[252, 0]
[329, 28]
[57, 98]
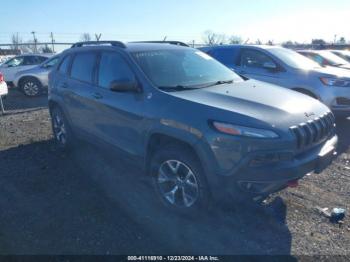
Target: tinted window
[51, 62]
[33, 60]
[292, 58]
[254, 59]
[17, 61]
[64, 65]
[83, 66]
[227, 56]
[42, 59]
[113, 67]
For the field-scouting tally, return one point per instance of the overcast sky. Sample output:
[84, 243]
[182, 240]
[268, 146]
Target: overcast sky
[186, 20]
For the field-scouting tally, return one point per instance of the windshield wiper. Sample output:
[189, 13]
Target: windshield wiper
[176, 88]
[220, 82]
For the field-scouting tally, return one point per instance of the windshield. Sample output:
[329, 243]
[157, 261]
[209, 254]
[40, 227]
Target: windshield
[51, 62]
[183, 67]
[293, 59]
[332, 59]
[14, 61]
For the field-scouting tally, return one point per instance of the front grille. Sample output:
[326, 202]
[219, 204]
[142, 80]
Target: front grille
[343, 101]
[314, 131]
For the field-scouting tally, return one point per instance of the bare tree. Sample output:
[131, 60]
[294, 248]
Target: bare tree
[211, 38]
[342, 40]
[46, 49]
[270, 42]
[235, 40]
[85, 37]
[318, 42]
[16, 40]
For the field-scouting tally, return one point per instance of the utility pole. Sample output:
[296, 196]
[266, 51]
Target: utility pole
[52, 42]
[35, 42]
[98, 37]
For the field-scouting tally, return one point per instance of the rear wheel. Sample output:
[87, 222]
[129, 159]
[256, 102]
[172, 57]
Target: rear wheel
[31, 86]
[179, 180]
[61, 129]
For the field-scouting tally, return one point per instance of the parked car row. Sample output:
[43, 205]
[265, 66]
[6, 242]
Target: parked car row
[197, 128]
[286, 68]
[17, 72]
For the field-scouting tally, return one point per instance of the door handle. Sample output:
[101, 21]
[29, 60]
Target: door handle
[97, 95]
[64, 85]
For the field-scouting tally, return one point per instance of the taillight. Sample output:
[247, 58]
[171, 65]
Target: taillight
[1, 77]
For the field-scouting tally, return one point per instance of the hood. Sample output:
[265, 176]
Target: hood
[332, 71]
[257, 102]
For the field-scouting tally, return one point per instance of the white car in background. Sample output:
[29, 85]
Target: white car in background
[22, 62]
[3, 86]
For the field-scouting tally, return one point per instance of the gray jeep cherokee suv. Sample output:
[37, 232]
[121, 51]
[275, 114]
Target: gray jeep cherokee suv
[197, 128]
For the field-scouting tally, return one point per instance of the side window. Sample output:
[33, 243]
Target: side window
[41, 59]
[52, 62]
[113, 67]
[30, 60]
[227, 56]
[254, 59]
[63, 68]
[319, 59]
[83, 66]
[17, 61]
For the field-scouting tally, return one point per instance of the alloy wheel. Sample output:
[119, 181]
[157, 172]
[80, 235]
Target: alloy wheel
[31, 88]
[59, 129]
[177, 184]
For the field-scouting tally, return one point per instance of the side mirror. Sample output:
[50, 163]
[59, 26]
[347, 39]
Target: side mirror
[270, 66]
[124, 86]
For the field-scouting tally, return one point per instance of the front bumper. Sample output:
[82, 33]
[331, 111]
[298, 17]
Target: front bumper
[337, 99]
[264, 180]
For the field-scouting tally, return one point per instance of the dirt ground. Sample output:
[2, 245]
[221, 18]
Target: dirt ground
[89, 202]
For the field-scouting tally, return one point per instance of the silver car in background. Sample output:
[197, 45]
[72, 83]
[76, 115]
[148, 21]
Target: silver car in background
[34, 81]
[21, 62]
[325, 58]
[287, 68]
[345, 54]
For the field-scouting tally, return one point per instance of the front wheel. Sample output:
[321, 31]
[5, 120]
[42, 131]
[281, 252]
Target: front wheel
[179, 180]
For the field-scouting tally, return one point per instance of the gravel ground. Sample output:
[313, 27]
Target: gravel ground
[89, 202]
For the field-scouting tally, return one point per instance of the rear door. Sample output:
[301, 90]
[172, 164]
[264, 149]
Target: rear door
[80, 93]
[30, 62]
[259, 65]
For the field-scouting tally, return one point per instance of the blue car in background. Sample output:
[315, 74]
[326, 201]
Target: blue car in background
[284, 67]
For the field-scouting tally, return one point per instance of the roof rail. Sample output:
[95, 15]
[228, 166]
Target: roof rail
[112, 43]
[164, 42]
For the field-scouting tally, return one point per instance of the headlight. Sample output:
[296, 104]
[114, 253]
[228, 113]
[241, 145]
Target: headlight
[335, 82]
[243, 131]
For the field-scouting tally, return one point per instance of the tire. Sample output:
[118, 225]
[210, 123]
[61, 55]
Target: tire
[61, 130]
[179, 180]
[31, 86]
